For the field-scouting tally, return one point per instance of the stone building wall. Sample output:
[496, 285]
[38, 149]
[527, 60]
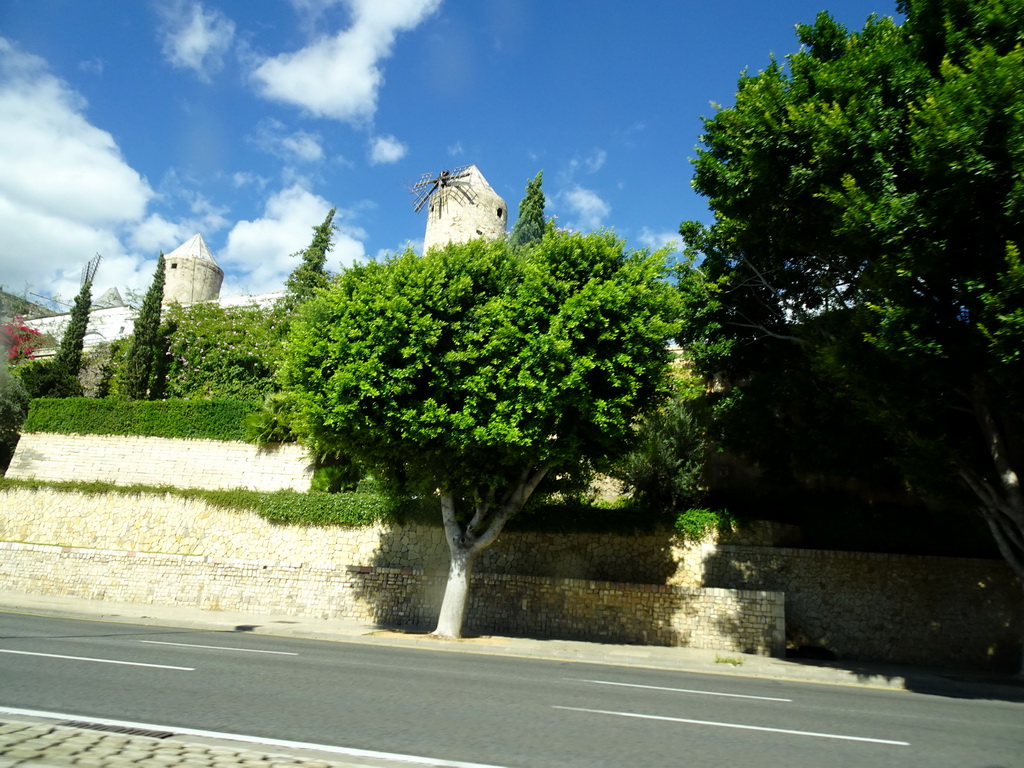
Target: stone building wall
[128, 460]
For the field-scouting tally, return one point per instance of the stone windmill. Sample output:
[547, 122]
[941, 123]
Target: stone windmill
[461, 205]
[192, 274]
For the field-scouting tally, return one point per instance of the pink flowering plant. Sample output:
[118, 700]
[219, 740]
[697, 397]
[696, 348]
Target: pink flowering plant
[222, 352]
[19, 341]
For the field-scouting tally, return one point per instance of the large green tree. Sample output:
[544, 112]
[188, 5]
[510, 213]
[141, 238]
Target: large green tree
[869, 210]
[146, 348]
[477, 370]
[529, 227]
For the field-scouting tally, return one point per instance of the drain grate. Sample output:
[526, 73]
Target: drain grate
[121, 729]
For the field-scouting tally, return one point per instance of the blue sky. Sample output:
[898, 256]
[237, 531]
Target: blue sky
[127, 127]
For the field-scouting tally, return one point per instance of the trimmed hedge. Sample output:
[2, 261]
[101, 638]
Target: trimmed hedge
[195, 419]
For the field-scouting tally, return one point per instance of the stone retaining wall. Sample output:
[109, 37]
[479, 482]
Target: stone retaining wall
[871, 607]
[719, 619]
[124, 460]
[916, 610]
[167, 523]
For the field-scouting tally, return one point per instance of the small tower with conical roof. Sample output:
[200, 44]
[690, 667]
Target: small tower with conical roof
[192, 274]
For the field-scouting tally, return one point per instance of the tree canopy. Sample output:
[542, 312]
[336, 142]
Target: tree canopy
[869, 210]
[476, 370]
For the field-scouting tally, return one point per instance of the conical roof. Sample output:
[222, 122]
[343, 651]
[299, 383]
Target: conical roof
[110, 298]
[193, 248]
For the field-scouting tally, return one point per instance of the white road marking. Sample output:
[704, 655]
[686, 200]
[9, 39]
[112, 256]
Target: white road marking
[283, 743]
[678, 690]
[100, 661]
[218, 647]
[740, 726]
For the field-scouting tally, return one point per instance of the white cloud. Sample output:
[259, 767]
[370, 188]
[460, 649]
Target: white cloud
[272, 137]
[592, 163]
[65, 191]
[386, 149]
[195, 39]
[456, 149]
[259, 252]
[249, 179]
[93, 66]
[155, 233]
[655, 240]
[587, 206]
[339, 77]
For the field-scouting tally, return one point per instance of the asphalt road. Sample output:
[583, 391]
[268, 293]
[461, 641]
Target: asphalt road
[485, 709]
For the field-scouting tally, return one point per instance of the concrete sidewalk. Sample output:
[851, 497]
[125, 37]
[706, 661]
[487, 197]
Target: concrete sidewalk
[41, 744]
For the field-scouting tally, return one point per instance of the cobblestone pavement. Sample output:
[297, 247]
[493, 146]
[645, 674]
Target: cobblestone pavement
[51, 745]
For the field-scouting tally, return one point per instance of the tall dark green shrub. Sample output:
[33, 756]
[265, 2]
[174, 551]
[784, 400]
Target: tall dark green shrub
[311, 275]
[69, 355]
[529, 227]
[146, 345]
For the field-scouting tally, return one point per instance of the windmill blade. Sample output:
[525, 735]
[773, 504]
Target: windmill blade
[423, 189]
[424, 194]
[462, 170]
[89, 271]
[426, 178]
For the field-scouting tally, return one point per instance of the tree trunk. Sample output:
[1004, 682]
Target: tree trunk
[456, 593]
[465, 543]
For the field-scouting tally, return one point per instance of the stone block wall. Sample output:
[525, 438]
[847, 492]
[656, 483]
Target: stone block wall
[916, 610]
[717, 619]
[123, 460]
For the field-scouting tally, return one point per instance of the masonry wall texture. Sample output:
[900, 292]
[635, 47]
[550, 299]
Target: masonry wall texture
[709, 594]
[721, 619]
[160, 461]
[918, 610]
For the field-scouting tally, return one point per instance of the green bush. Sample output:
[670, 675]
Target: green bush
[13, 407]
[273, 422]
[695, 524]
[44, 378]
[195, 419]
[222, 352]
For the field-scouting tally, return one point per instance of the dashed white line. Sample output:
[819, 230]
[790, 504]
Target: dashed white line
[740, 726]
[99, 661]
[679, 690]
[218, 647]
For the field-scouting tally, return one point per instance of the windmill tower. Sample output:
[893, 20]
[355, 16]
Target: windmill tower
[191, 273]
[460, 206]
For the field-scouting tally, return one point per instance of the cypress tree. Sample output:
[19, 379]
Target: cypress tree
[145, 348]
[68, 359]
[310, 276]
[529, 227]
